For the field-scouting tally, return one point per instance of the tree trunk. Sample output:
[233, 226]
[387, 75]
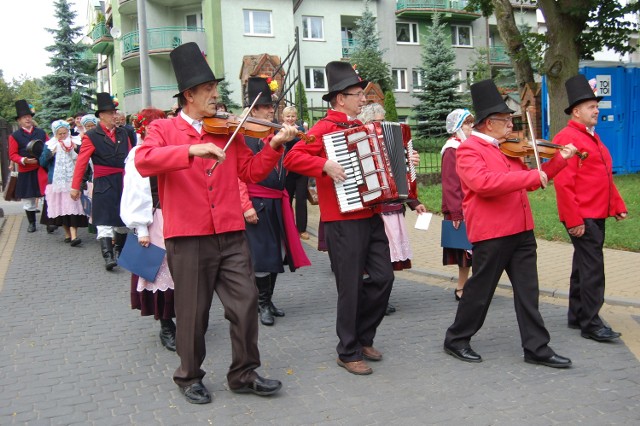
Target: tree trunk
[561, 61]
[510, 33]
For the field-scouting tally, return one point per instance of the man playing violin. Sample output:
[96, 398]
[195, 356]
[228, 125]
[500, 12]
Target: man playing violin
[500, 227]
[587, 196]
[207, 249]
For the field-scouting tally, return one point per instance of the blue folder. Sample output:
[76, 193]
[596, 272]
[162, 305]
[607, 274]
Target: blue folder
[142, 261]
[454, 238]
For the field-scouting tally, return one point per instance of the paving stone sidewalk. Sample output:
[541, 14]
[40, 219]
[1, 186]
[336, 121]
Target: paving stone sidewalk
[73, 352]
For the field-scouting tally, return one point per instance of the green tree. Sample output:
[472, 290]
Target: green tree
[301, 103]
[576, 29]
[7, 100]
[225, 96]
[69, 64]
[391, 113]
[439, 94]
[366, 54]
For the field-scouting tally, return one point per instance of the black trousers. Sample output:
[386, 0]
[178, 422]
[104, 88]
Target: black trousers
[356, 246]
[296, 186]
[515, 254]
[586, 285]
[199, 266]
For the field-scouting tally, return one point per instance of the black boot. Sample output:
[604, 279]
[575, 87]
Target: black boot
[168, 334]
[31, 217]
[106, 244]
[274, 311]
[264, 285]
[119, 241]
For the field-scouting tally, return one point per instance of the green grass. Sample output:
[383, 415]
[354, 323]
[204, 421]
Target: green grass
[623, 235]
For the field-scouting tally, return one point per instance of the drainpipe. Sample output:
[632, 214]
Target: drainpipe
[145, 85]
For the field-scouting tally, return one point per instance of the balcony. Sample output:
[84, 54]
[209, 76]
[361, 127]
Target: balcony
[499, 55]
[102, 40]
[160, 40]
[450, 9]
[348, 44]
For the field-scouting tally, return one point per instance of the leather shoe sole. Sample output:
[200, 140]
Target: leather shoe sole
[359, 368]
[554, 361]
[196, 393]
[371, 354]
[464, 354]
[605, 334]
[260, 386]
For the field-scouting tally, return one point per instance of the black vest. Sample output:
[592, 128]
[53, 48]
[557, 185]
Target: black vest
[106, 152]
[23, 139]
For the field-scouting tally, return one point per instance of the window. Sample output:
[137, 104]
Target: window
[416, 80]
[399, 77]
[314, 78]
[312, 28]
[461, 35]
[257, 22]
[194, 21]
[407, 32]
[461, 81]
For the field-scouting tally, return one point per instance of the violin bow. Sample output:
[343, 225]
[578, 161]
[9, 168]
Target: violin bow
[533, 139]
[235, 132]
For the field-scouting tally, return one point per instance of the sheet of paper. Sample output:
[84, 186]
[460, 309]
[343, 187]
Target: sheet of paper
[423, 221]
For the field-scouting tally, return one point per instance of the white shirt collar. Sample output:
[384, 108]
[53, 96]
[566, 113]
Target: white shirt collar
[487, 138]
[196, 124]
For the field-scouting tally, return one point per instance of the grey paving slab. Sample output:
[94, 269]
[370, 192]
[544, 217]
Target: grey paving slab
[74, 352]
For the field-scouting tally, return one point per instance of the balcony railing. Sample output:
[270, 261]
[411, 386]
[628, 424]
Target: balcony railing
[100, 31]
[431, 4]
[498, 54]
[165, 38]
[138, 90]
[348, 44]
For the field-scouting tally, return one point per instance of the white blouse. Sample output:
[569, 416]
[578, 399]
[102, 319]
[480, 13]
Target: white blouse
[136, 204]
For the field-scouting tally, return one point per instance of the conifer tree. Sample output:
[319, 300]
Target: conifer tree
[391, 113]
[225, 96]
[439, 83]
[69, 68]
[301, 102]
[367, 55]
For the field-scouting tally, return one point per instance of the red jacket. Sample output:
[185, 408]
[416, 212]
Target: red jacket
[585, 189]
[451, 189]
[495, 189]
[309, 159]
[194, 203]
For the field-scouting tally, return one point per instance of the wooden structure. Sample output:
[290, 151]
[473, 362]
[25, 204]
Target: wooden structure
[262, 65]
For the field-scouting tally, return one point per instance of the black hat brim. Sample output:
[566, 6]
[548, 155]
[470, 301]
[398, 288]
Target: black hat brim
[197, 83]
[354, 81]
[579, 101]
[498, 109]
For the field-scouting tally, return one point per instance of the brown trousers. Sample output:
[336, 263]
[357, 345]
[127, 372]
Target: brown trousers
[199, 266]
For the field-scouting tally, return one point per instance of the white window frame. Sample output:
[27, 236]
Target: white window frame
[463, 82]
[198, 19]
[412, 26]
[400, 85]
[416, 75]
[308, 78]
[455, 35]
[252, 32]
[309, 37]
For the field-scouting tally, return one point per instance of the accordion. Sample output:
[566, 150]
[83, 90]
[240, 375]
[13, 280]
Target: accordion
[376, 158]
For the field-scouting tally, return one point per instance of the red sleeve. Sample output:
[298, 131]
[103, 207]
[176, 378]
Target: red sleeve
[86, 151]
[451, 191]
[13, 150]
[245, 201]
[305, 158]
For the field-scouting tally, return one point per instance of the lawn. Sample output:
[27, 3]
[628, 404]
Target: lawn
[623, 235]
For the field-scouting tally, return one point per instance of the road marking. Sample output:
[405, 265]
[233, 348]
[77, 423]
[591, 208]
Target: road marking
[8, 238]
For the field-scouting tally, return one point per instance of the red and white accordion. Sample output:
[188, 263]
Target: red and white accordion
[376, 158]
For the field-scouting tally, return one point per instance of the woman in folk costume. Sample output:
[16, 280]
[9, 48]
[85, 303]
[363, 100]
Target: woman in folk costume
[59, 158]
[140, 210]
[458, 124]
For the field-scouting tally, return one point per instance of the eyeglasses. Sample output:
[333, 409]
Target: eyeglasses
[359, 94]
[506, 120]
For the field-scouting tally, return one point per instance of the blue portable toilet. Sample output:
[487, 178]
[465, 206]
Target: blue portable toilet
[619, 84]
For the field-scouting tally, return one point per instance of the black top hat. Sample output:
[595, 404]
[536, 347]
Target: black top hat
[487, 100]
[105, 103]
[341, 75]
[579, 90]
[22, 108]
[256, 85]
[190, 66]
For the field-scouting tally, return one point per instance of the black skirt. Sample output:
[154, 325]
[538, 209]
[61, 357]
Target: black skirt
[28, 185]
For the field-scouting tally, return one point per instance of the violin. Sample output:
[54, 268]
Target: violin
[224, 123]
[522, 147]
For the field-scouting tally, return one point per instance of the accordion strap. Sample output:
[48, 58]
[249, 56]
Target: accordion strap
[342, 124]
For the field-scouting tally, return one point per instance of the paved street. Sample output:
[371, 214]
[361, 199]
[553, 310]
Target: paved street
[74, 352]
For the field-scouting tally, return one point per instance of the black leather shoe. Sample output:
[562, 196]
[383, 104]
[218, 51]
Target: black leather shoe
[605, 334]
[75, 242]
[196, 393]
[51, 229]
[266, 317]
[554, 361]
[32, 227]
[464, 354]
[168, 339]
[390, 309]
[275, 311]
[260, 386]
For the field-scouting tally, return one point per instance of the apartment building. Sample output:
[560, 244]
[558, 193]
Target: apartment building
[229, 30]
